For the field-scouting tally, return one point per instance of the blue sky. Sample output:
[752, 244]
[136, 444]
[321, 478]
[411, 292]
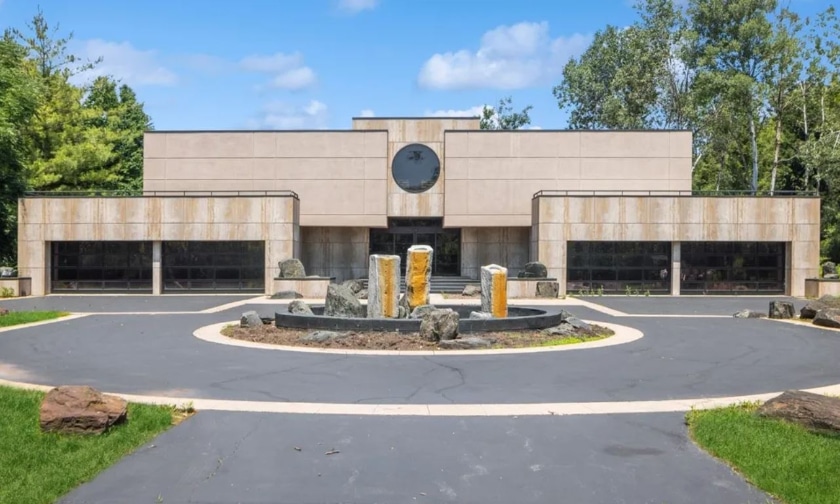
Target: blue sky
[284, 64]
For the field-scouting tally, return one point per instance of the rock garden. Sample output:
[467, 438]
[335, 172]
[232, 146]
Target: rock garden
[823, 312]
[390, 320]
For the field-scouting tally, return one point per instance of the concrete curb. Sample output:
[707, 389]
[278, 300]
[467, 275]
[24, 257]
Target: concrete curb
[623, 334]
[444, 410]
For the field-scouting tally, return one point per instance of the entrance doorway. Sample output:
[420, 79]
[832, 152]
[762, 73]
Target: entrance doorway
[403, 233]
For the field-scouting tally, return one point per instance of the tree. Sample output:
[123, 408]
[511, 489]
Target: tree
[83, 137]
[633, 77]
[782, 77]
[503, 116]
[732, 45]
[19, 92]
[49, 51]
[119, 112]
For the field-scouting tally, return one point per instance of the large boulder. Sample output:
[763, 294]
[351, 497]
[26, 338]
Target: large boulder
[828, 317]
[355, 286]
[403, 308]
[534, 269]
[250, 319]
[323, 336]
[471, 290]
[421, 311]
[812, 411]
[563, 329]
[810, 310]
[830, 271]
[781, 310]
[292, 268]
[440, 325]
[748, 314]
[298, 307]
[341, 302]
[287, 294]
[548, 289]
[80, 410]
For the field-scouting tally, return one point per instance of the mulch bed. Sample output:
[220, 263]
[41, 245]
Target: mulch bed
[407, 341]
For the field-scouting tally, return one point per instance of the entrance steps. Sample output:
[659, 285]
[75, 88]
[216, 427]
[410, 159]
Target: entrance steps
[440, 284]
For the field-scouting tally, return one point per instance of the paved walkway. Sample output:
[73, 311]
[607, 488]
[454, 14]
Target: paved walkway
[251, 458]
[692, 351]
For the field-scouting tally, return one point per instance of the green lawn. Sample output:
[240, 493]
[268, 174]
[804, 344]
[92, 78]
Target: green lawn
[783, 459]
[39, 468]
[25, 317]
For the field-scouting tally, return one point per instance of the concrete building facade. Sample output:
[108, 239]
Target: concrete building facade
[611, 211]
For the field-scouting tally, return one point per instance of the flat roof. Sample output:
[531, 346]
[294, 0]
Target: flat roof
[415, 118]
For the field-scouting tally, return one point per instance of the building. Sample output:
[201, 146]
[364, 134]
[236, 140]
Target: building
[609, 211]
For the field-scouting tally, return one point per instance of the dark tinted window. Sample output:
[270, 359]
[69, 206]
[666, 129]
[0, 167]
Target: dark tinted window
[732, 267]
[415, 168]
[98, 266]
[618, 267]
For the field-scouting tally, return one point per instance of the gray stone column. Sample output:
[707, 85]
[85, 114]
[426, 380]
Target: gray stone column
[47, 283]
[494, 290]
[383, 286]
[157, 270]
[418, 275]
[676, 270]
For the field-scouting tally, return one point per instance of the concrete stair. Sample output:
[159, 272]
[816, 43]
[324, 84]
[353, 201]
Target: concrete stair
[441, 284]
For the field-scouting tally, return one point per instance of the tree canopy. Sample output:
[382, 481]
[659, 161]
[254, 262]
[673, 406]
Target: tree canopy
[56, 134]
[755, 83]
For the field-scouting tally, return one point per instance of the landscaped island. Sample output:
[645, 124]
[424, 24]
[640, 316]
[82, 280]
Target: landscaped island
[560, 335]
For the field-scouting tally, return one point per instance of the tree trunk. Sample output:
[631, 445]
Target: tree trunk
[804, 110]
[754, 144]
[812, 411]
[777, 148]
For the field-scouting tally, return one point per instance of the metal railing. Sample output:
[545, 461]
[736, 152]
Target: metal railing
[163, 194]
[636, 192]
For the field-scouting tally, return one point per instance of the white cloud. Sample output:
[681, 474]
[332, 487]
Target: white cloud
[288, 69]
[509, 57]
[273, 63]
[299, 78]
[124, 62]
[283, 115]
[355, 6]
[469, 112]
[367, 113]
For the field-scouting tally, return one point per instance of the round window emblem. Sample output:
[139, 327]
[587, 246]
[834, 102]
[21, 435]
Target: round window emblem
[415, 168]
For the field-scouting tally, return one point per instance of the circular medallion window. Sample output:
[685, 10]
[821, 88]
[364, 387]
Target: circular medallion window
[415, 168]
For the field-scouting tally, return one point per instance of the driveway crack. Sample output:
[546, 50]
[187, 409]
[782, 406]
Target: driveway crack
[461, 379]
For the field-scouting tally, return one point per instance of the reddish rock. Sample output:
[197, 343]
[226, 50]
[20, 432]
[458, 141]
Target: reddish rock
[812, 411]
[80, 410]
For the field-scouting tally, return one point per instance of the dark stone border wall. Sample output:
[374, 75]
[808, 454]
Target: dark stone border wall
[518, 319]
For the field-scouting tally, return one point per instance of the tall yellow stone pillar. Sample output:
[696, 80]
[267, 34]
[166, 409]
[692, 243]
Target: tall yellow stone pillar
[383, 286]
[418, 275]
[494, 290]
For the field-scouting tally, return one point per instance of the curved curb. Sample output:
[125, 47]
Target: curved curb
[72, 316]
[444, 410]
[623, 334]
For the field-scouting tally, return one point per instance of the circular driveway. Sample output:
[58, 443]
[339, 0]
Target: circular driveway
[678, 358]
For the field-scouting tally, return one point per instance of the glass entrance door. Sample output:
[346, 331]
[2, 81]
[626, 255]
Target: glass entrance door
[403, 233]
